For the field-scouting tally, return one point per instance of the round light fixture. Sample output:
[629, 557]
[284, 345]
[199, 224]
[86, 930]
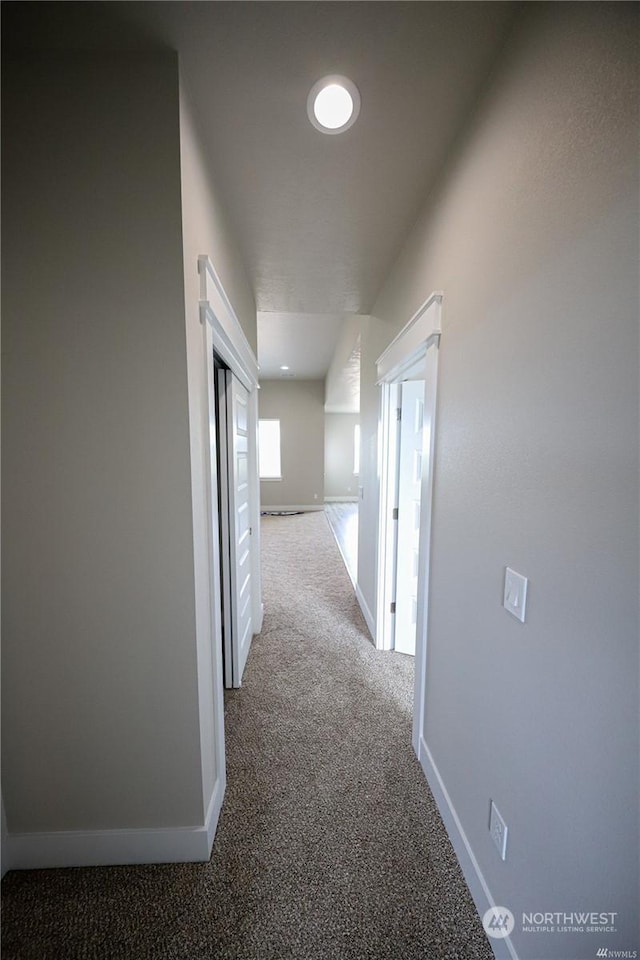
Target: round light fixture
[333, 104]
[284, 368]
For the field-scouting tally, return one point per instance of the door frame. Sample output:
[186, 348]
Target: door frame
[225, 338]
[412, 354]
[224, 506]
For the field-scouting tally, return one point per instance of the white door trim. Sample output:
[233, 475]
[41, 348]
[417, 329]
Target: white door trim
[229, 340]
[424, 559]
[410, 343]
[224, 522]
[413, 352]
[226, 338]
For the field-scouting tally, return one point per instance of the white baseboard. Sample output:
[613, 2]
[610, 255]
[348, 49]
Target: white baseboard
[366, 613]
[341, 499]
[96, 848]
[482, 897]
[305, 508]
[215, 806]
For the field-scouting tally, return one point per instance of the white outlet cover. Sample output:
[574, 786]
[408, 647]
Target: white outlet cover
[515, 593]
[498, 830]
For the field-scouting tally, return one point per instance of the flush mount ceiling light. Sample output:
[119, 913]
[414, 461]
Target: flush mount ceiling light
[333, 104]
[284, 367]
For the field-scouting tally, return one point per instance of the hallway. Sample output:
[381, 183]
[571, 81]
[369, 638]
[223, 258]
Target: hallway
[329, 846]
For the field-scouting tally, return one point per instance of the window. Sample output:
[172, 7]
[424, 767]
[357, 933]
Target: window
[269, 449]
[356, 449]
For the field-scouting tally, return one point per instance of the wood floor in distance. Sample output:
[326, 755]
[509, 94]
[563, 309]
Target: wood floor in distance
[343, 520]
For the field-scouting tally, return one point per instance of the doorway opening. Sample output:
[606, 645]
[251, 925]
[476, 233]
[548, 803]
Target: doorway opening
[407, 377]
[409, 495]
[234, 501]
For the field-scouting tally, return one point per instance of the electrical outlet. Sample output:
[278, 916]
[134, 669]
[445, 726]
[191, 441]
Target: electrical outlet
[515, 593]
[498, 830]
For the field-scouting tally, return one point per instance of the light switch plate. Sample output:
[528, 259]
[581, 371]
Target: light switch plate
[515, 593]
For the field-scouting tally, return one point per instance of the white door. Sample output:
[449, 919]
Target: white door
[409, 494]
[236, 526]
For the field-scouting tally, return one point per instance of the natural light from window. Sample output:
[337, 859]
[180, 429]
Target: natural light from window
[269, 449]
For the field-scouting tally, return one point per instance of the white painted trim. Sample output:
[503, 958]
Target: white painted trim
[210, 677]
[403, 350]
[214, 809]
[229, 339]
[277, 508]
[36, 851]
[415, 349]
[430, 366]
[225, 337]
[95, 848]
[478, 886]
[366, 612]
[223, 518]
[341, 499]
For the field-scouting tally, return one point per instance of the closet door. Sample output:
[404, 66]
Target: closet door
[237, 424]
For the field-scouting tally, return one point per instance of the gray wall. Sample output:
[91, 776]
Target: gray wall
[207, 229]
[100, 701]
[533, 237]
[339, 479]
[299, 405]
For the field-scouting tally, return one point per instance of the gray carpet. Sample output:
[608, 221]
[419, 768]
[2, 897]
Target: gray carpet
[329, 845]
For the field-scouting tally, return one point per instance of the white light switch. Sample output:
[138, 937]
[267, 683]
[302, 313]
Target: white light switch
[515, 593]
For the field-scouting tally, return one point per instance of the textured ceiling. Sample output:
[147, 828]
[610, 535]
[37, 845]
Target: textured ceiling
[320, 219]
[305, 342]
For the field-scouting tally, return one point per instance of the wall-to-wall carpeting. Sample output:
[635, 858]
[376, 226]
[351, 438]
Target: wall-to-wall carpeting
[329, 845]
